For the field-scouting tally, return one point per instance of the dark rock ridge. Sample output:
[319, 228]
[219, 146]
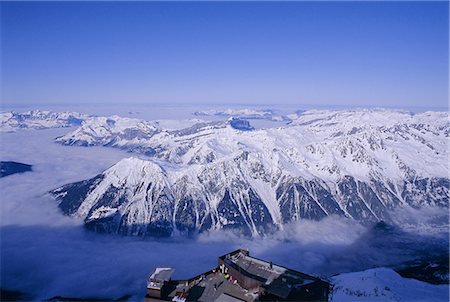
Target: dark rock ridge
[11, 167]
[240, 124]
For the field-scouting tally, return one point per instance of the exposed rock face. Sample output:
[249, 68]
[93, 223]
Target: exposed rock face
[146, 203]
[240, 124]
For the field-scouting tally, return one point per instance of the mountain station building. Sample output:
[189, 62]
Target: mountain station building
[238, 277]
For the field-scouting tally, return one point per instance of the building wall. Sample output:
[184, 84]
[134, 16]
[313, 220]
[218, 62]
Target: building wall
[153, 293]
[317, 291]
[244, 281]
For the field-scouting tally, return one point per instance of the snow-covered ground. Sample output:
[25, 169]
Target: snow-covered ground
[384, 284]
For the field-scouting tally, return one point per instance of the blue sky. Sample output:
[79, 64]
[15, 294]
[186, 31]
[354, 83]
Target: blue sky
[323, 53]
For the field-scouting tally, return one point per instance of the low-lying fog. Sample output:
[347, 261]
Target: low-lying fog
[46, 254]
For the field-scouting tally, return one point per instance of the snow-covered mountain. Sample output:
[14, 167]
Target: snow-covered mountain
[136, 134]
[383, 284]
[121, 132]
[317, 142]
[358, 164]
[37, 119]
[247, 113]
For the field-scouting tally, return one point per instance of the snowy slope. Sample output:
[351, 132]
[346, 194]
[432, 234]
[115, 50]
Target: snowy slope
[136, 197]
[112, 131]
[383, 284]
[37, 119]
[358, 164]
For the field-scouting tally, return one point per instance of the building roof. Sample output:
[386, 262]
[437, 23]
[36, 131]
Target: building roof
[162, 273]
[211, 287]
[276, 279]
[224, 297]
[279, 288]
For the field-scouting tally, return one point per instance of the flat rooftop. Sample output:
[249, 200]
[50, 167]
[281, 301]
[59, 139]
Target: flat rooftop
[276, 279]
[213, 287]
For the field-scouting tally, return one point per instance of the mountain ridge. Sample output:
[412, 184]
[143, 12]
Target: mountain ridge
[356, 164]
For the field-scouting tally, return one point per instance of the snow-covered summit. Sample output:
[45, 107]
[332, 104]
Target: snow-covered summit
[132, 170]
[113, 130]
[368, 118]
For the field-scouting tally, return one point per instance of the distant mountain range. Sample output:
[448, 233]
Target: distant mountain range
[264, 114]
[38, 119]
[359, 164]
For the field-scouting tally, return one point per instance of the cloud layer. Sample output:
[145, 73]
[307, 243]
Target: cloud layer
[45, 254]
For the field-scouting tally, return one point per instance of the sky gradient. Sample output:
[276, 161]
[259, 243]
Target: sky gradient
[391, 54]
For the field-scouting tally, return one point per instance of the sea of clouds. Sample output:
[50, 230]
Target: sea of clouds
[46, 254]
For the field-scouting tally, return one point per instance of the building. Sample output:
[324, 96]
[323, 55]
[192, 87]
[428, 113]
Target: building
[238, 277]
[158, 284]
